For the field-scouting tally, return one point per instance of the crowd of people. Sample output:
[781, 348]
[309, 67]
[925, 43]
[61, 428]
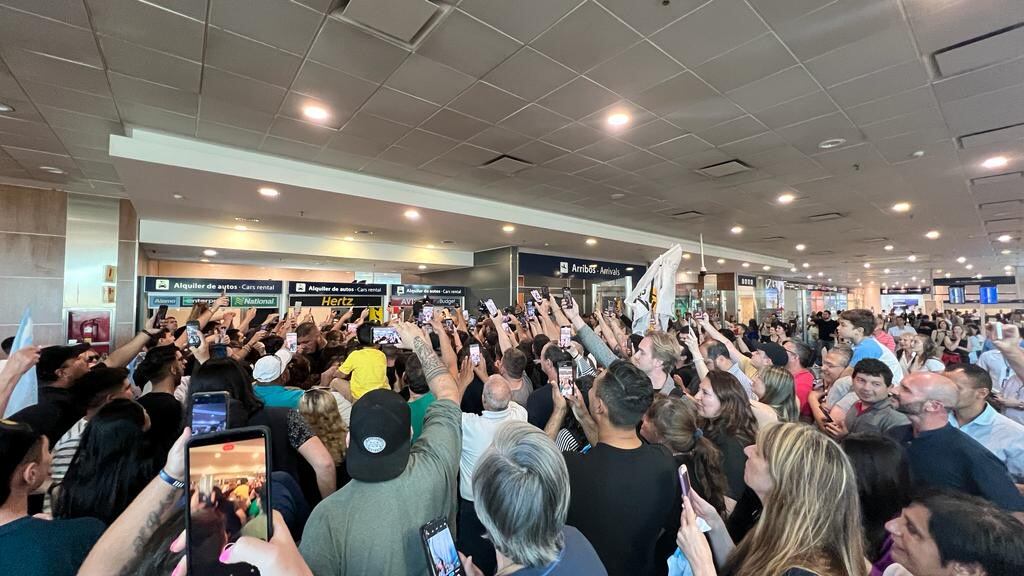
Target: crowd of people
[882, 445]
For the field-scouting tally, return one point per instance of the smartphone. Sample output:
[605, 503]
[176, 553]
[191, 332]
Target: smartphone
[161, 313]
[536, 295]
[472, 322]
[491, 308]
[545, 292]
[195, 337]
[564, 337]
[565, 378]
[298, 309]
[566, 297]
[684, 480]
[999, 330]
[442, 558]
[531, 310]
[449, 325]
[237, 464]
[474, 354]
[506, 327]
[465, 313]
[385, 335]
[209, 412]
[222, 333]
[427, 314]
[825, 415]
[291, 341]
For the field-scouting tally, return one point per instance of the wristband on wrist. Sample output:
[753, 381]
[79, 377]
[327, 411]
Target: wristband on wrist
[171, 480]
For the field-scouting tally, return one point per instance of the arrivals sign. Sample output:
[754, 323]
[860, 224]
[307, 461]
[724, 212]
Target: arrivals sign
[562, 267]
[211, 286]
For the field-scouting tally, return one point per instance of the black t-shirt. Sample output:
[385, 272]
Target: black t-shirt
[622, 501]
[540, 406]
[165, 420]
[826, 329]
[52, 547]
[733, 462]
[473, 398]
[54, 414]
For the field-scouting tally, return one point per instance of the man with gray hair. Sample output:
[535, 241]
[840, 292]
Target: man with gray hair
[521, 490]
[478, 431]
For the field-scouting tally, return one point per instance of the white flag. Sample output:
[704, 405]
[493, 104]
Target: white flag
[657, 290]
[25, 392]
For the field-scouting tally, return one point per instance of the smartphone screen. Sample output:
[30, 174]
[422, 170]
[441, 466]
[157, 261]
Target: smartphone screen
[218, 350]
[565, 378]
[536, 295]
[442, 557]
[209, 412]
[472, 322]
[566, 298]
[385, 335]
[491, 308]
[291, 341]
[564, 337]
[195, 338]
[449, 324]
[999, 330]
[427, 314]
[474, 354]
[228, 473]
[161, 313]
[684, 480]
[506, 327]
[298, 309]
[531, 310]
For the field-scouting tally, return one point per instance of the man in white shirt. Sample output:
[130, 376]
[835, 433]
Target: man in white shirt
[477, 432]
[976, 418]
[900, 328]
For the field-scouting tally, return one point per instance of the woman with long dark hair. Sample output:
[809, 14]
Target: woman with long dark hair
[114, 462]
[728, 421]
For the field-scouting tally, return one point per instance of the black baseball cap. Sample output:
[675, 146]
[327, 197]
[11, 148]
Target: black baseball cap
[52, 358]
[16, 439]
[774, 352]
[379, 437]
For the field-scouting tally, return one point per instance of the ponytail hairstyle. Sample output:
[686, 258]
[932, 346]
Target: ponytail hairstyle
[675, 419]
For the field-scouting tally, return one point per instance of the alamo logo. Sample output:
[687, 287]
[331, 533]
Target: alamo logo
[300, 286]
[163, 284]
[563, 267]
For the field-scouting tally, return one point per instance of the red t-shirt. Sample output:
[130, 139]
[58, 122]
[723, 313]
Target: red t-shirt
[804, 384]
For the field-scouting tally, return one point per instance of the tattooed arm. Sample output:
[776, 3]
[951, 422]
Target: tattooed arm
[440, 380]
[116, 552]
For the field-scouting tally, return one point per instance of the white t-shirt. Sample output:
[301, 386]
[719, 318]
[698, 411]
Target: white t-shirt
[477, 433]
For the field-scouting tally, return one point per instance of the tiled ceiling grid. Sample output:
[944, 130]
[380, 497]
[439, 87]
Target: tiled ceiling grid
[761, 81]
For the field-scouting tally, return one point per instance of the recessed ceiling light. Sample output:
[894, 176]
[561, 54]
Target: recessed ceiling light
[831, 143]
[209, 252]
[686, 255]
[51, 169]
[430, 246]
[932, 234]
[5, 108]
[508, 228]
[1007, 267]
[821, 273]
[317, 113]
[912, 258]
[269, 192]
[720, 260]
[786, 198]
[995, 162]
[901, 207]
[885, 271]
[348, 238]
[887, 247]
[867, 264]
[618, 119]
[947, 274]
[177, 196]
[241, 228]
[978, 276]
[829, 279]
[204, 259]
[917, 153]
[422, 266]
[969, 266]
[618, 196]
[591, 241]
[939, 271]
[411, 214]
[801, 247]
[913, 277]
[793, 269]
[736, 229]
[766, 268]
[745, 264]
[1005, 238]
[961, 260]
[806, 264]
[629, 268]
[1004, 252]
[809, 276]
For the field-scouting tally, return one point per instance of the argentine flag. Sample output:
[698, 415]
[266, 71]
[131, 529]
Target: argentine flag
[25, 392]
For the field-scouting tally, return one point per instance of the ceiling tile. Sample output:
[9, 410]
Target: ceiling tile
[57, 71]
[807, 135]
[979, 81]
[880, 84]
[523, 19]
[150, 117]
[99, 170]
[129, 88]
[487, 103]
[772, 90]
[343, 92]
[399, 107]
[354, 145]
[229, 135]
[754, 60]
[152, 65]
[636, 161]
[446, 167]
[146, 24]
[886, 48]
[427, 142]
[538, 152]
[702, 159]
[578, 98]
[710, 30]
[343, 46]
[500, 139]
[287, 25]
[635, 70]
[467, 45]
[82, 102]
[454, 125]
[301, 131]
[649, 17]
[66, 11]
[797, 110]
[733, 130]
[862, 157]
[535, 121]
[903, 103]
[837, 24]
[429, 80]
[242, 91]
[58, 118]
[679, 91]
[469, 155]
[23, 30]
[704, 114]
[298, 150]
[529, 74]
[651, 134]
[607, 149]
[240, 55]
[25, 128]
[230, 113]
[600, 172]
[406, 156]
[571, 163]
[369, 127]
[574, 136]
[939, 25]
[921, 120]
[775, 12]
[985, 111]
[585, 38]
[682, 146]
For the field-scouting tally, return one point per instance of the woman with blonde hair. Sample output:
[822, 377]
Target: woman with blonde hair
[922, 356]
[778, 390]
[811, 523]
[320, 410]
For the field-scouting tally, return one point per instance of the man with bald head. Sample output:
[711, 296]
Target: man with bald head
[477, 433]
[939, 454]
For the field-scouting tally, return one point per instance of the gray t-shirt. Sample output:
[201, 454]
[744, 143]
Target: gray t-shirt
[373, 527]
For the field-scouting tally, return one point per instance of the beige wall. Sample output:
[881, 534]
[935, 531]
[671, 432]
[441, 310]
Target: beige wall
[33, 225]
[127, 260]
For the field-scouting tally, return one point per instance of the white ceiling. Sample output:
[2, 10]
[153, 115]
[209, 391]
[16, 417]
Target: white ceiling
[761, 81]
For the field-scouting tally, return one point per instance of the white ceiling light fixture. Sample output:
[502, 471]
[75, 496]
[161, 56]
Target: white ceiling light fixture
[1007, 267]
[888, 247]
[745, 264]
[686, 256]
[801, 247]
[736, 229]
[806, 264]
[618, 119]
[901, 207]
[316, 113]
[204, 259]
[912, 258]
[1005, 238]
[978, 276]
[809, 276]
[829, 279]
[51, 169]
[995, 162]
[241, 228]
[969, 266]
[177, 197]
[961, 260]
[821, 274]
[885, 271]
[629, 268]
[947, 274]
[5, 108]
[792, 269]
[209, 252]
[1004, 251]
[831, 143]
[430, 246]
[786, 198]
[766, 267]
[720, 260]
[269, 192]
[867, 264]
[932, 235]
[422, 266]
[939, 271]
[591, 241]
[508, 228]
[913, 278]
[411, 214]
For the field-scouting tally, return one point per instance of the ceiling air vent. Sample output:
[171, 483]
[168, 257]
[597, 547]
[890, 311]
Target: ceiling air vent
[506, 165]
[874, 240]
[995, 46]
[825, 217]
[723, 169]
[1004, 134]
[684, 216]
[402, 22]
[772, 239]
[997, 178]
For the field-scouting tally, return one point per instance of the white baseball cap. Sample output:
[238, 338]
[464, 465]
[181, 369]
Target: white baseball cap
[270, 368]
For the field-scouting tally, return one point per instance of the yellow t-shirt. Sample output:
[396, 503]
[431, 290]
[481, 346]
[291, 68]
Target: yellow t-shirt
[242, 492]
[368, 370]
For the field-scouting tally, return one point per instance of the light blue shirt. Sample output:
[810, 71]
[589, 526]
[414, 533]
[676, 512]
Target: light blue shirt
[279, 396]
[1000, 435]
[871, 348]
